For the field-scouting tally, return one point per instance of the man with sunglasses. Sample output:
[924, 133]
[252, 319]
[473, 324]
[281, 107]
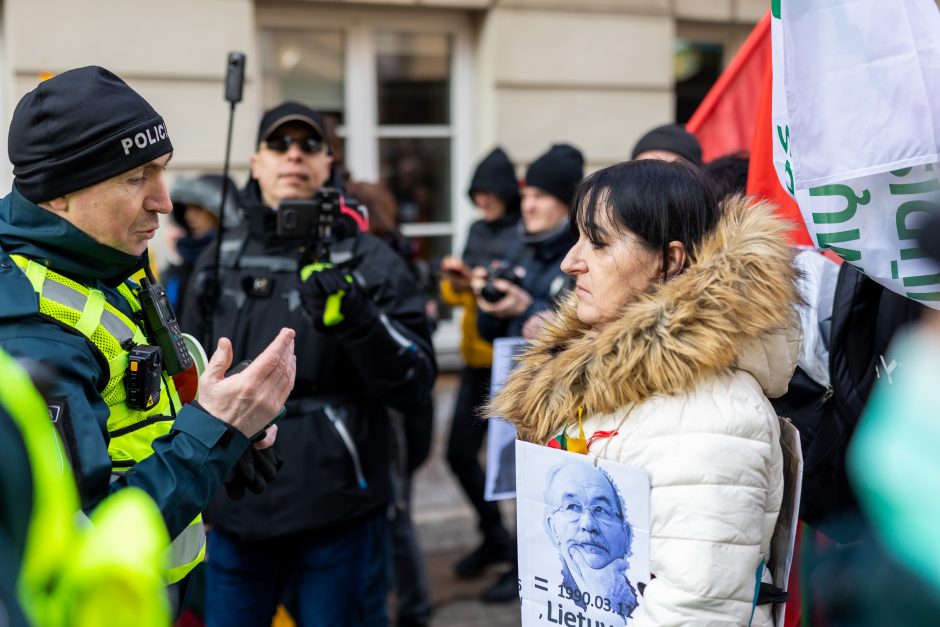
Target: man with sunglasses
[317, 533]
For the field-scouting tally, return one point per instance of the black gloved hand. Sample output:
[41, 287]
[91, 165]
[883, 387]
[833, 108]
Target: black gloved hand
[331, 298]
[254, 470]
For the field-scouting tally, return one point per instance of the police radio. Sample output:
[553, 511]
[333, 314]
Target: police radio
[162, 326]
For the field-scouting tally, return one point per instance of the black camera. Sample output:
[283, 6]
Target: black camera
[320, 221]
[311, 220]
[501, 270]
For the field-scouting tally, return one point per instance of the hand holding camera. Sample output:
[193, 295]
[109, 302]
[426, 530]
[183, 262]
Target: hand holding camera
[498, 291]
[457, 272]
[331, 298]
[500, 271]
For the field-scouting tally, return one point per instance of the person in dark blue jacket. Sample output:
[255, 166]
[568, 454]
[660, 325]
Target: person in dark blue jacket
[530, 277]
[89, 155]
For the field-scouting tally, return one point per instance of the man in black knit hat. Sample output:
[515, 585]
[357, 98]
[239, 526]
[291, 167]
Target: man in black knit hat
[669, 142]
[89, 155]
[545, 238]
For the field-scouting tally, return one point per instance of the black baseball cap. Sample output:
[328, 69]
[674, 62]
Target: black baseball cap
[290, 112]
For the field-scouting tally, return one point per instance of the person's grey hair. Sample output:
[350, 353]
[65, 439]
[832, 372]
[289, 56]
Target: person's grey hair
[548, 495]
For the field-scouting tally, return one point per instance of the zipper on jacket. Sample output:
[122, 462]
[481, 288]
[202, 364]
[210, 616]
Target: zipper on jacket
[825, 397]
[343, 432]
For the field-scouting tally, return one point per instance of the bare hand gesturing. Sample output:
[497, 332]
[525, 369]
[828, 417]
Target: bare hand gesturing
[250, 399]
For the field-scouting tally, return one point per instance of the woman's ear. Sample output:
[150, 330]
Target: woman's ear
[675, 258]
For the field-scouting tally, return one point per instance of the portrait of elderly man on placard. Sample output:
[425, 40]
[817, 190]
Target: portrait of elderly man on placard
[585, 520]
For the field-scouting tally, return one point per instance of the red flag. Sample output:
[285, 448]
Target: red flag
[724, 122]
[762, 180]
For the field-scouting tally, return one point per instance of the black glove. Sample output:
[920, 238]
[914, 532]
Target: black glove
[331, 298]
[254, 470]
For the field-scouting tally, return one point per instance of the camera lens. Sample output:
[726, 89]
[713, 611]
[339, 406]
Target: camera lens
[490, 294]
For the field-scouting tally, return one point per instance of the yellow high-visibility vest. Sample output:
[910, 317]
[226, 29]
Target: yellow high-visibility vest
[132, 431]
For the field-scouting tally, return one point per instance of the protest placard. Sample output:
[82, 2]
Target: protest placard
[501, 435]
[583, 528]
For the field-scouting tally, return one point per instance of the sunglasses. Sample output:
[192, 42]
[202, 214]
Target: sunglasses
[307, 145]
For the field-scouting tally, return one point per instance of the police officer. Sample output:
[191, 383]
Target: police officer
[363, 344]
[89, 155]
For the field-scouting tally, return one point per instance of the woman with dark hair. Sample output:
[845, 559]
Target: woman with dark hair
[681, 325]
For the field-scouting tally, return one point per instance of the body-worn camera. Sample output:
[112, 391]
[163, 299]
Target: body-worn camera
[503, 271]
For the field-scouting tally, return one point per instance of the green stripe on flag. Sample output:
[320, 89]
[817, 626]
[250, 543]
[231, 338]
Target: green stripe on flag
[775, 8]
[921, 281]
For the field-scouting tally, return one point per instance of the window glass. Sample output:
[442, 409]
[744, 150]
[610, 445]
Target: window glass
[697, 67]
[417, 171]
[413, 73]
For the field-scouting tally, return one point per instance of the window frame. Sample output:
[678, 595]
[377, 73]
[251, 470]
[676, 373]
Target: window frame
[361, 130]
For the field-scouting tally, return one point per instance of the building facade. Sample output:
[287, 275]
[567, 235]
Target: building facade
[417, 89]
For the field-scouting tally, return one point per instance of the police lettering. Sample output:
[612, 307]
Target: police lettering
[145, 138]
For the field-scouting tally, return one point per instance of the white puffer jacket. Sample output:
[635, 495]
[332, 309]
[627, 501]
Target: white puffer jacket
[683, 378]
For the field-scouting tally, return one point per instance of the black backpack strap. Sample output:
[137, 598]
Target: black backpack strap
[769, 593]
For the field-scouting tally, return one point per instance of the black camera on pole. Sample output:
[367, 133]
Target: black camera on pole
[500, 270]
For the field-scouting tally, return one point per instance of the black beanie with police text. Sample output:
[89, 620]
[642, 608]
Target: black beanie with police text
[79, 128]
[557, 172]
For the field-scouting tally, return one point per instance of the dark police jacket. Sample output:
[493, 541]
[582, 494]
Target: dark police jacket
[334, 437]
[544, 281]
[190, 462]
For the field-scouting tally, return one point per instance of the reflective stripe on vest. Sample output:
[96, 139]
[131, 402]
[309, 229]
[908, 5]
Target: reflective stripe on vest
[132, 431]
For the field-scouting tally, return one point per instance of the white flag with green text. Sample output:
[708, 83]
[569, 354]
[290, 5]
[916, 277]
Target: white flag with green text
[856, 123]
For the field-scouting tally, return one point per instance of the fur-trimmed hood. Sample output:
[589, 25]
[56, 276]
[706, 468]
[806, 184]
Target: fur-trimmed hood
[732, 308]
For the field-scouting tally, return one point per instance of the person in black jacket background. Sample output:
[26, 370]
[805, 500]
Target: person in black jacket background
[363, 344]
[516, 306]
[494, 189]
[196, 204]
[535, 262]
